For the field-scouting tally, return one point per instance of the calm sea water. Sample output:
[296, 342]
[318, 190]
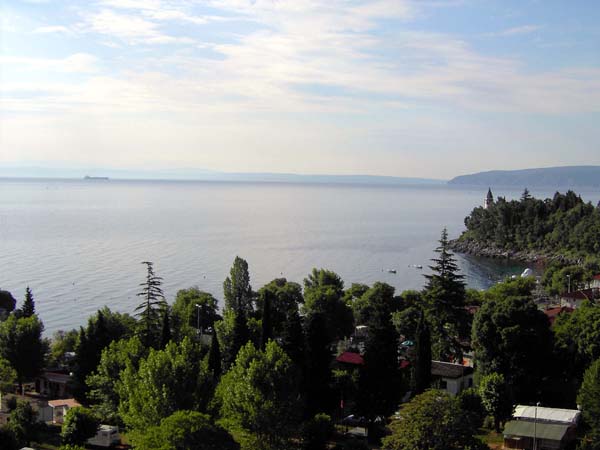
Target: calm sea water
[79, 244]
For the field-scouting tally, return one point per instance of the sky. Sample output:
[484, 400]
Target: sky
[427, 88]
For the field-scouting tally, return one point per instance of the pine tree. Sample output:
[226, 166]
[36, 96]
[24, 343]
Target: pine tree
[149, 310]
[422, 356]
[445, 295]
[28, 308]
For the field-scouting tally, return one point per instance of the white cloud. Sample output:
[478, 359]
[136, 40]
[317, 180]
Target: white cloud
[516, 31]
[75, 63]
[53, 29]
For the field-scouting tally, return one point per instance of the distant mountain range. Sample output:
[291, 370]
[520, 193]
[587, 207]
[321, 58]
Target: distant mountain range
[555, 177]
[207, 175]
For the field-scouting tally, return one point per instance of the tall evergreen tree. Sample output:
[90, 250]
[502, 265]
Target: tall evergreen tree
[292, 338]
[379, 382]
[266, 324]
[422, 356]
[149, 310]
[318, 374]
[28, 308]
[237, 289]
[214, 357]
[240, 337]
[445, 297]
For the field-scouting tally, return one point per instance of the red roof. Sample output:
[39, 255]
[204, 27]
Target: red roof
[404, 364]
[597, 277]
[351, 358]
[584, 294]
[553, 313]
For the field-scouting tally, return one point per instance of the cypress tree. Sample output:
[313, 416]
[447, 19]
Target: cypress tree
[214, 357]
[267, 328]
[292, 338]
[241, 335]
[28, 308]
[422, 356]
[318, 374]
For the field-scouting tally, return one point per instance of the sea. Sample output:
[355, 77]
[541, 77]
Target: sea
[79, 244]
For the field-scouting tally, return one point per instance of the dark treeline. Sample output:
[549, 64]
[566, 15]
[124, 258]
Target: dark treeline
[262, 372]
[564, 225]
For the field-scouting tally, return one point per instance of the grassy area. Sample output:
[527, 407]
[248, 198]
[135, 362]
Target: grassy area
[491, 438]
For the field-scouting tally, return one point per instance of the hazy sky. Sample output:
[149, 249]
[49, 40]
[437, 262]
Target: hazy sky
[431, 88]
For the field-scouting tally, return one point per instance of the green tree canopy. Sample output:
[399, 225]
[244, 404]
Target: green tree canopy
[577, 339]
[511, 336]
[187, 317]
[496, 397]
[102, 384]
[589, 399]
[432, 421]
[79, 425]
[8, 377]
[166, 381]
[258, 397]
[323, 294]
[22, 345]
[23, 423]
[7, 303]
[184, 430]
[102, 328]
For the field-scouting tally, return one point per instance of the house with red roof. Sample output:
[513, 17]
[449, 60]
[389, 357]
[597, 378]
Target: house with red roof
[576, 298]
[351, 358]
[553, 313]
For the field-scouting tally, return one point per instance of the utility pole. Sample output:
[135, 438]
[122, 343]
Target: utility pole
[198, 319]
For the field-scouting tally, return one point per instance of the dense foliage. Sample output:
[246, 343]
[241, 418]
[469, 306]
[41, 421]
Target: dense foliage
[562, 224]
[433, 421]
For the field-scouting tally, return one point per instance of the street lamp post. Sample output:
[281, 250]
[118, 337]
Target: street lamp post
[198, 318]
[535, 427]
[569, 278]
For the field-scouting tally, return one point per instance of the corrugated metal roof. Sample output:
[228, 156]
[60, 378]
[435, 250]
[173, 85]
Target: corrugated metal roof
[523, 428]
[568, 416]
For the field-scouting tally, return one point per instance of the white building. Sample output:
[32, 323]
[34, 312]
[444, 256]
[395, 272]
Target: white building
[453, 378]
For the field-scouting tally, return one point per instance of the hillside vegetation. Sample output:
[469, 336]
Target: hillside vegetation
[562, 225]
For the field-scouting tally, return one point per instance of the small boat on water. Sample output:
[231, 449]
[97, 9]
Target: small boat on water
[415, 266]
[391, 270]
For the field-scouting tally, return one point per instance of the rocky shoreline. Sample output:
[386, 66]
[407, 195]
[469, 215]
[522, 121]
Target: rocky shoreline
[474, 248]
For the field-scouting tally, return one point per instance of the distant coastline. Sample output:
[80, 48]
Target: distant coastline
[548, 177]
[88, 177]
